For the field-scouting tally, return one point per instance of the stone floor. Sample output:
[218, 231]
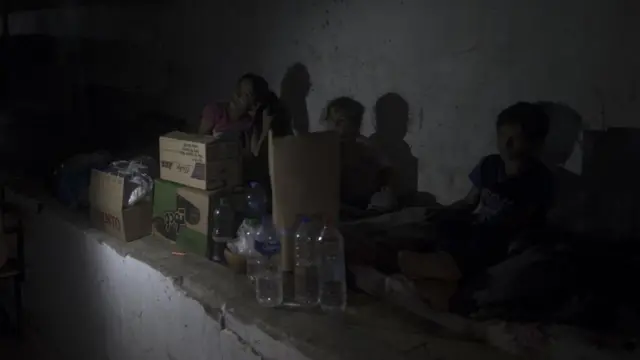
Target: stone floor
[29, 348]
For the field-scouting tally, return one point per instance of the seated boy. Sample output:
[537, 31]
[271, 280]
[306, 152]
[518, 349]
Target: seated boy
[364, 171]
[510, 195]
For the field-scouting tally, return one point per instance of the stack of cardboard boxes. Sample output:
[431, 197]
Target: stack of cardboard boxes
[195, 171]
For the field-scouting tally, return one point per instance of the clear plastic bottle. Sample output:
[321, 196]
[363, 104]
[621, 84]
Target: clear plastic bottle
[306, 285]
[269, 291]
[223, 228]
[332, 271]
[256, 202]
[254, 258]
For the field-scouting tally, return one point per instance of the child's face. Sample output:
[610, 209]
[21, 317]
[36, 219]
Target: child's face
[243, 99]
[338, 122]
[513, 145]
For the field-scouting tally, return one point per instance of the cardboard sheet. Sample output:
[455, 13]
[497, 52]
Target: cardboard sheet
[305, 180]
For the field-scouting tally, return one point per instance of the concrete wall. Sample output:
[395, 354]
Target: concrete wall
[456, 63]
[92, 303]
[91, 296]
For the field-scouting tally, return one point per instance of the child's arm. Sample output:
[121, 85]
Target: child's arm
[469, 202]
[258, 137]
[461, 207]
[207, 121]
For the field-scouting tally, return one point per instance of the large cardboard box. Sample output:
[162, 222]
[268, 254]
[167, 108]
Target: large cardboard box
[305, 180]
[200, 161]
[184, 215]
[107, 198]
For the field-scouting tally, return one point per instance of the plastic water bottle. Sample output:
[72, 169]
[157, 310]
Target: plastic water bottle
[256, 201]
[268, 276]
[254, 258]
[332, 272]
[223, 228]
[306, 285]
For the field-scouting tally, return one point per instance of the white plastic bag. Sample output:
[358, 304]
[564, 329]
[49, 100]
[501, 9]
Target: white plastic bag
[136, 172]
[244, 244]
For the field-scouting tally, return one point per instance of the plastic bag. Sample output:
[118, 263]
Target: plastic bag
[137, 173]
[244, 244]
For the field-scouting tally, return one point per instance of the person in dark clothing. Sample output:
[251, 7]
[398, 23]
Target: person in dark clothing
[510, 195]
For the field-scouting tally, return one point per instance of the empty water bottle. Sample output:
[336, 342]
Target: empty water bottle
[332, 272]
[223, 228]
[268, 276]
[256, 202]
[306, 285]
[249, 230]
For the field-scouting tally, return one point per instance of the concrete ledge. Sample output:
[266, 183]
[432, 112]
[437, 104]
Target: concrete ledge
[96, 297]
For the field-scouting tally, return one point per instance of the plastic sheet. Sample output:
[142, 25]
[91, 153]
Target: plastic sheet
[138, 173]
[244, 244]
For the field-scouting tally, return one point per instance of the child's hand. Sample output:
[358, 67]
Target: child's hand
[267, 119]
[383, 200]
[258, 139]
[434, 213]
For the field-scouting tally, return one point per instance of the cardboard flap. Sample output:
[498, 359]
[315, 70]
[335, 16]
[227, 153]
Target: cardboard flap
[305, 176]
[196, 138]
[305, 180]
[106, 190]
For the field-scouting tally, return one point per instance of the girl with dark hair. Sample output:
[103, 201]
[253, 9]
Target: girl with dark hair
[252, 111]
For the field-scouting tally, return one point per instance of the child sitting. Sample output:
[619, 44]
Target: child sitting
[510, 195]
[363, 169]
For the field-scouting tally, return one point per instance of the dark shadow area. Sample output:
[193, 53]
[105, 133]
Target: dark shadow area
[294, 90]
[564, 132]
[52, 111]
[565, 126]
[391, 125]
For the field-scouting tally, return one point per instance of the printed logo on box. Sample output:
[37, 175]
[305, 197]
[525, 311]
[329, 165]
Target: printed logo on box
[173, 220]
[111, 221]
[166, 164]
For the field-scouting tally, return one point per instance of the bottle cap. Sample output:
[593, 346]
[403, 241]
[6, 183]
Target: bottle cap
[254, 184]
[305, 220]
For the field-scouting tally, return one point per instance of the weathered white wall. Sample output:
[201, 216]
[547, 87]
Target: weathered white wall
[91, 302]
[457, 63]
[95, 304]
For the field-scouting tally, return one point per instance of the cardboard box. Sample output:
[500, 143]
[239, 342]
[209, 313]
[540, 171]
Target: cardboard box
[183, 214]
[305, 180]
[107, 213]
[200, 161]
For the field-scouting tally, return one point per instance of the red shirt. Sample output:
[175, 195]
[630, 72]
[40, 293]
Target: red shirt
[216, 119]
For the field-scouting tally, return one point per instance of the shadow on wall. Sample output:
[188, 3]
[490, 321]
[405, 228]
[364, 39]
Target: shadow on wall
[611, 175]
[564, 132]
[391, 125]
[565, 127]
[294, 90]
